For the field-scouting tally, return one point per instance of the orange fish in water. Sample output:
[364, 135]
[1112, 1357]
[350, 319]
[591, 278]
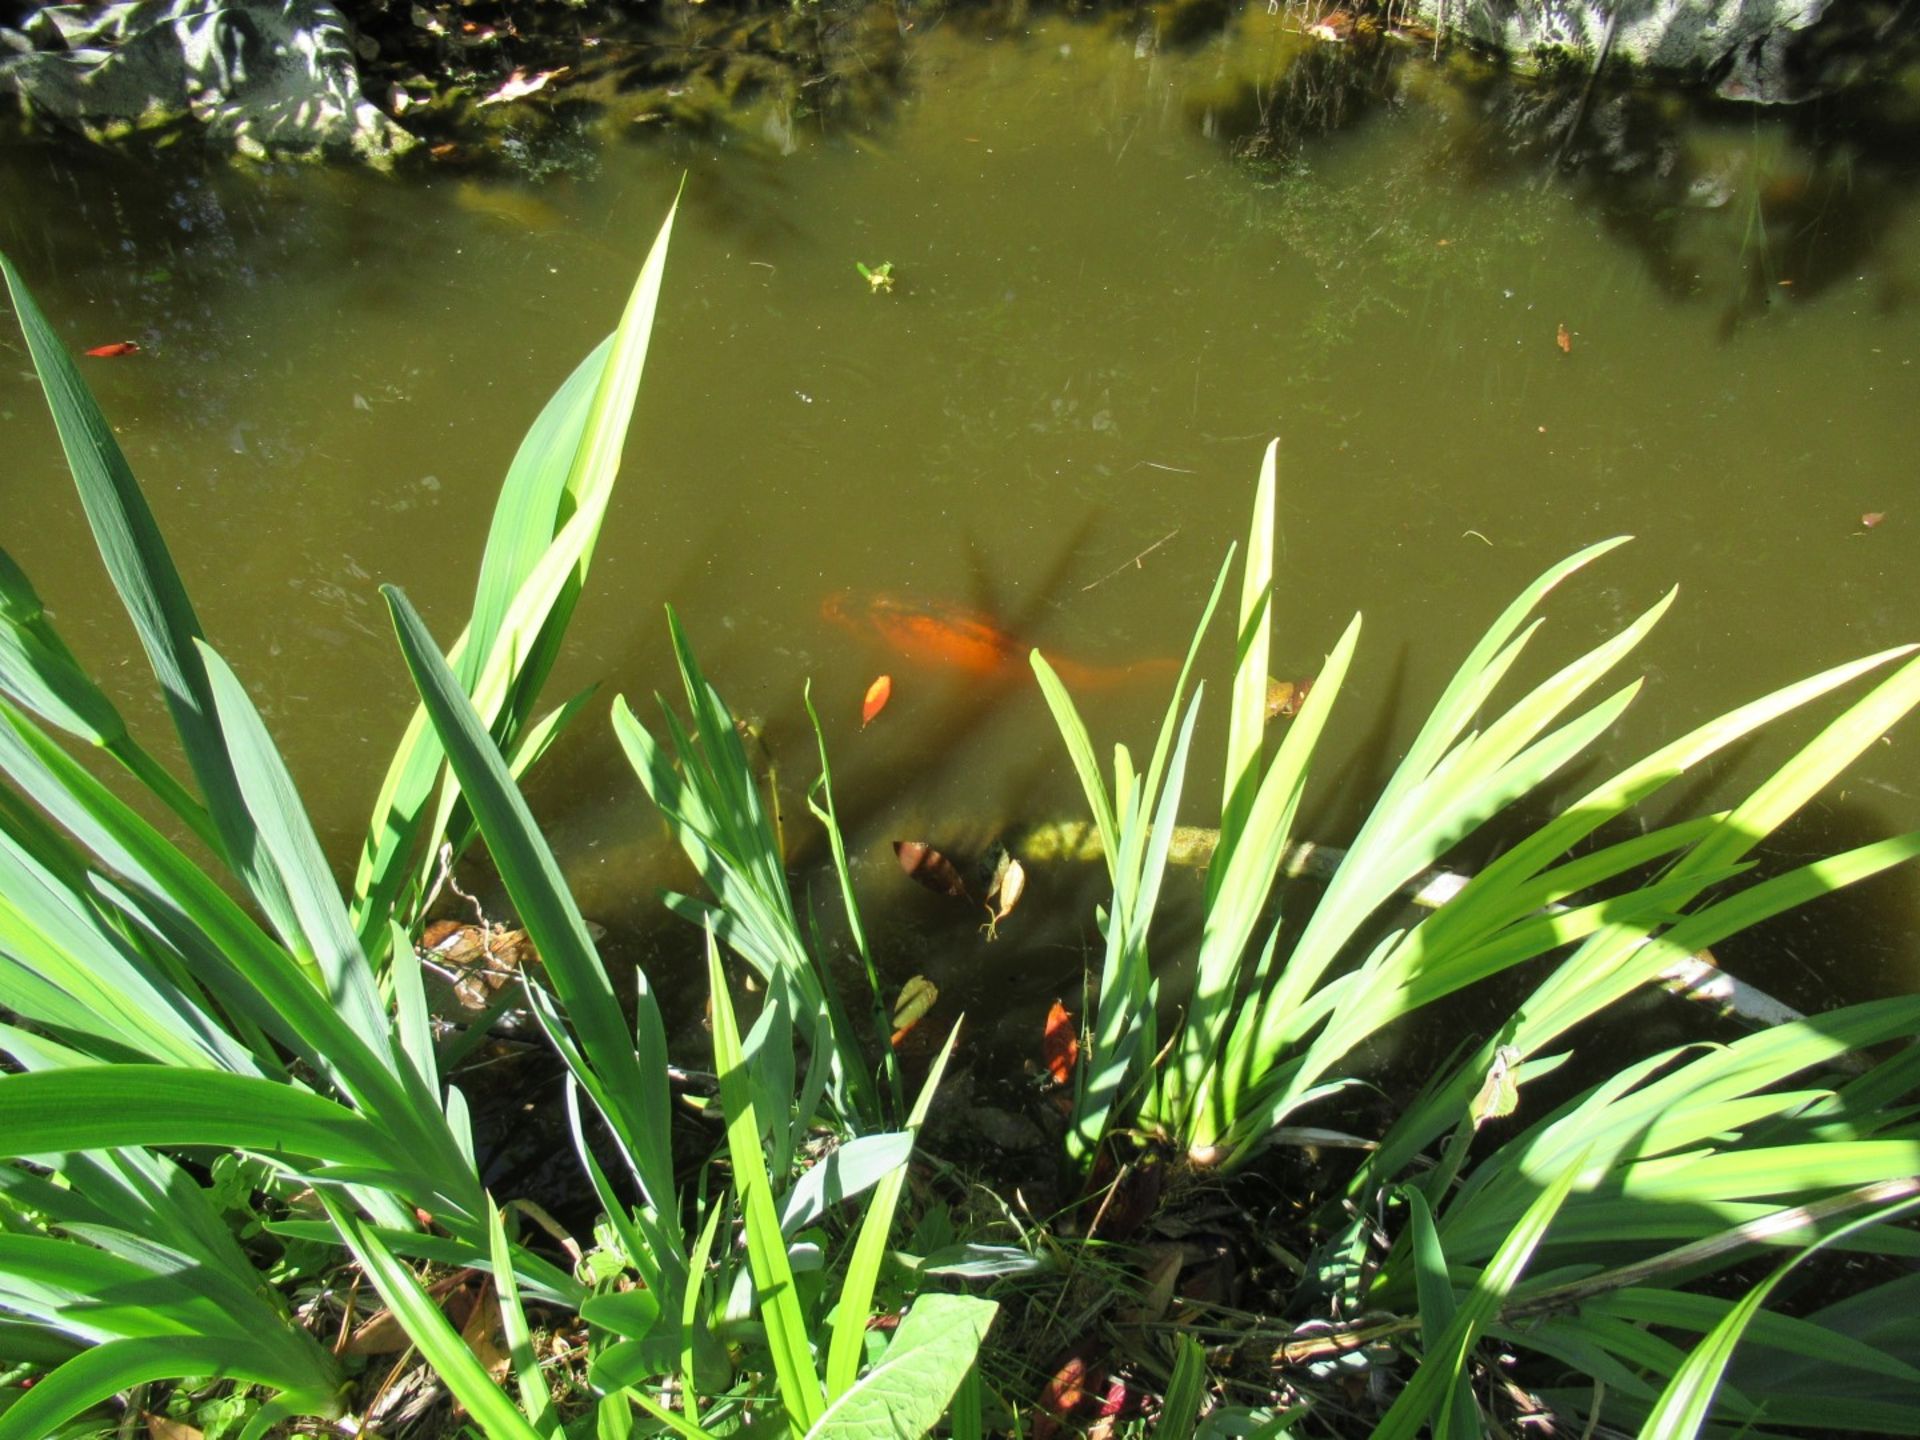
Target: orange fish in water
[950, 638]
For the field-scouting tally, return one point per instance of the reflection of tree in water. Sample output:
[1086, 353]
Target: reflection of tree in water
[1730, 204]
[1735, 209]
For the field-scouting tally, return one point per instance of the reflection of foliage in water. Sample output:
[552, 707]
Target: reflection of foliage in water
[746, 71]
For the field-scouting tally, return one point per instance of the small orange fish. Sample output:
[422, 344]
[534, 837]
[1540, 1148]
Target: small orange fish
[117, 348]
[949, 638]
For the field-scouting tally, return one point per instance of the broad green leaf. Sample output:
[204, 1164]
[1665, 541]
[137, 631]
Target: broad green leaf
[904, 1396]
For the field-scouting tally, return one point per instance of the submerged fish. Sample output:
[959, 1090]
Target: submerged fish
[951, 638]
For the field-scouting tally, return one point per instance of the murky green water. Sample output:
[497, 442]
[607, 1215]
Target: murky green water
[1101, 316]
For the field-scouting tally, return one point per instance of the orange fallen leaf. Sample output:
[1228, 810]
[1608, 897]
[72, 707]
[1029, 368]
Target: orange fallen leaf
[878, 694]
[1563, 337]
[930, 868]
[118, 347]
[1873, 518]
[1060, 1044]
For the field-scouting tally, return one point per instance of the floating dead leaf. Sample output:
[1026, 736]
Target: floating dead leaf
[118, 347]
[161, 1427]
[1499, 1094]
[1285, 697]
[1060, 1044]
[917, 997]
[1013, 885]
[878, 694]
[1563, 337]
[476, 960]
[932, 869]
[1873, 518]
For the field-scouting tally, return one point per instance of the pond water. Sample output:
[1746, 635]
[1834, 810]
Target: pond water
[1120, 269]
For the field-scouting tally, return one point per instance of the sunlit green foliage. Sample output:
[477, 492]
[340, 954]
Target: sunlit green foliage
[147, 1009]
[1676, 1166]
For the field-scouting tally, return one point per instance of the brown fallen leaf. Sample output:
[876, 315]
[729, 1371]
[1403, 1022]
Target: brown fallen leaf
[482, 1331]
[932, 869]
[382, 1333]
[1563, 337]
[477, 960]
[160, 1427]
[1065, 1392]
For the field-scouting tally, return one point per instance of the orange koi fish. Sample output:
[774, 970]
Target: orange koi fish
[950, 638]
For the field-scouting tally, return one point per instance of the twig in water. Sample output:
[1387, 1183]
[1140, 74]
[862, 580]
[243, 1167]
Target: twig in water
[1135, 561]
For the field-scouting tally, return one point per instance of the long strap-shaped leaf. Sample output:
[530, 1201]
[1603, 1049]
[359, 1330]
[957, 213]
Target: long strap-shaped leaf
[106, 1370]
[100, 1106]
[40, 673]
[1683, 1406]
[870, 1247]
[133, 550]
[1247, 705]
[630, 1086]
[521, 591]
[283, 859]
